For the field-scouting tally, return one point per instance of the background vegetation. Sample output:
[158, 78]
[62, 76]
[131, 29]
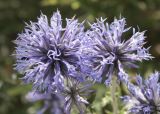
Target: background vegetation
[13, 13]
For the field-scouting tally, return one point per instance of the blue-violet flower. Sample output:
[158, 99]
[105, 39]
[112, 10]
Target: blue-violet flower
[46, 51]
[110, 52]
[51, 102]
[145, 96]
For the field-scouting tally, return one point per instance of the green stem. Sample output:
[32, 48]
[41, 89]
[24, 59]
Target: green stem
[113, 95]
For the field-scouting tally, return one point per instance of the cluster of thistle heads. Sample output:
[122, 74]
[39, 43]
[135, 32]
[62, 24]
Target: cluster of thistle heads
[63, 60]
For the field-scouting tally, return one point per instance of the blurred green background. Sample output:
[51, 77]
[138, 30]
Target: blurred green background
[13, 13]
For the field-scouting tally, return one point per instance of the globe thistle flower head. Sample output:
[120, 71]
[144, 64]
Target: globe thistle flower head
[46, 50]
[74, 93]
[51, 102]
[145, 96]
[111, 53]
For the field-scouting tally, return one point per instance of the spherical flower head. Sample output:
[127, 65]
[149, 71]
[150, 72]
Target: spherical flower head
[74, 93]
[145, 96]
[46, 51]
[51, 102]
[111, 53]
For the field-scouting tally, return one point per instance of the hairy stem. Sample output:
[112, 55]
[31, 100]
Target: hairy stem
[113, 95]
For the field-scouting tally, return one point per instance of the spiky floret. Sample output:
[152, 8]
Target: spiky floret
[144, 97]
[111, 53]
[46, 51]
[75, 93]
